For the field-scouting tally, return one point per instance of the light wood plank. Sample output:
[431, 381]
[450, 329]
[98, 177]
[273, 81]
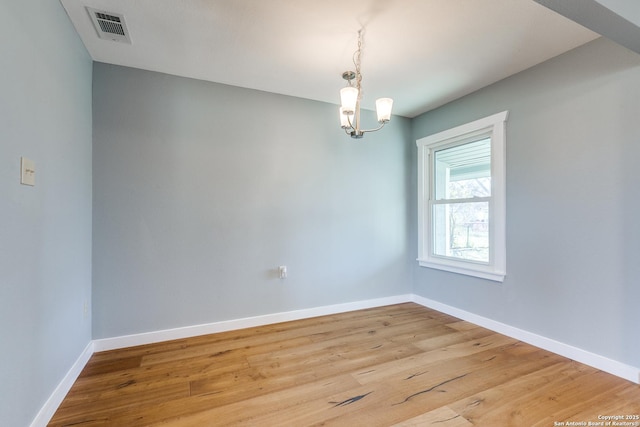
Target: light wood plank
[443, 417]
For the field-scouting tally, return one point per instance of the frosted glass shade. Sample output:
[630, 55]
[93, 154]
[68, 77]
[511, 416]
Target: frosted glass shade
[344, 119]
[348, 99]
[383, 108]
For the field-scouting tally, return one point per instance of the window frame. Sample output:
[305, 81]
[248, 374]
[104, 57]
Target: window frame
[493, 126]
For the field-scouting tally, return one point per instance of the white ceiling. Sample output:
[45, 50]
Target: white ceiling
[421, 53]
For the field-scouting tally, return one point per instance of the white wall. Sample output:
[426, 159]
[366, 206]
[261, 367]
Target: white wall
[45, 231]
[202, 190]
[573, 235]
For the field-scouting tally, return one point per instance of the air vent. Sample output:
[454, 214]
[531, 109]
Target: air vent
[110, 26]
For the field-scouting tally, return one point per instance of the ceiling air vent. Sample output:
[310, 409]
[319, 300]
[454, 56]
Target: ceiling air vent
[110, 26]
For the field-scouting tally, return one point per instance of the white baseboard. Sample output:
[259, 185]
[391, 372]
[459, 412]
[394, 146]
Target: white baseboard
[247, 322]
[56, 398]
[613, 367]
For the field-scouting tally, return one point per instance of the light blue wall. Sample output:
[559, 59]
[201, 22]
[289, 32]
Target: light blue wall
[628, 9]
[573, 229]
[202, 190]
[45, 231]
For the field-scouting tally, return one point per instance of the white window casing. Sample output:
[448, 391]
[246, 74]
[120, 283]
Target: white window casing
[492, 127]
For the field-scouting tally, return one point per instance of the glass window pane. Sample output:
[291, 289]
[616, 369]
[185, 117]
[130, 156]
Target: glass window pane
[463, 171]
[461, 230]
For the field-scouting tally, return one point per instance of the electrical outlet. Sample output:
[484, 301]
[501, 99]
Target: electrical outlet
[282, 271]
[85, 309]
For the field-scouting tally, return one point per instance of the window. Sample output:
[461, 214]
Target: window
[461, 199]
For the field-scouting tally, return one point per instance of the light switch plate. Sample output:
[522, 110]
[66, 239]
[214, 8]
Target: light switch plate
[27, 171]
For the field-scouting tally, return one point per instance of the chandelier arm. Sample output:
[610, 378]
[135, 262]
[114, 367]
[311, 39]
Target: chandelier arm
[373, 130]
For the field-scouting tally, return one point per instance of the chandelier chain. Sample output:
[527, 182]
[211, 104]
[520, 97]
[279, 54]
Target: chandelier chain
[357, 62]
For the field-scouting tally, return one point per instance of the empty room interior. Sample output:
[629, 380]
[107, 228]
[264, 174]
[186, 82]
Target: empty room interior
[208, 219]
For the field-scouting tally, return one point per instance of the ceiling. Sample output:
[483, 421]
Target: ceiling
[421, 53]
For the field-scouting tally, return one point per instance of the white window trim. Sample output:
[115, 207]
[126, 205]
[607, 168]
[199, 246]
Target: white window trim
[495, 127]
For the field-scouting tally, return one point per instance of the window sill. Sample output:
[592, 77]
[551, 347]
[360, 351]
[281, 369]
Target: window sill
[483, 273]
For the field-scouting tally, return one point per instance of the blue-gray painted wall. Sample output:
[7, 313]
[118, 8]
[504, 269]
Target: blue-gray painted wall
[202, 190]
[45, 231]
[573, 234]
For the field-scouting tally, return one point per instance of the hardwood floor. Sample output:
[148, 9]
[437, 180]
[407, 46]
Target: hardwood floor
[400, 365]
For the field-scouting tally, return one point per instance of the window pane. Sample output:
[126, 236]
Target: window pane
[461, 230]
[463, 171]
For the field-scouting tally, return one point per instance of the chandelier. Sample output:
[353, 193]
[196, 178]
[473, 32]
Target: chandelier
[350, 97]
